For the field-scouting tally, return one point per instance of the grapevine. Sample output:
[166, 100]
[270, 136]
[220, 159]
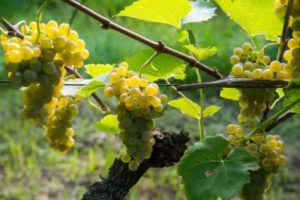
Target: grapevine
[39, 56]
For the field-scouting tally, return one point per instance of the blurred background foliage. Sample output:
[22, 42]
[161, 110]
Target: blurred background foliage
[29, 169]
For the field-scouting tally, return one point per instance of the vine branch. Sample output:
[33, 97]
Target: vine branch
[168, 149]
[11, 29]
[280, 119]
[234, 83]
[159, 47]
[283, 39]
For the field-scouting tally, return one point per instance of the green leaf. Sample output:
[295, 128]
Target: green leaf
[187, 107]
[207, 175]
[255, 16]
[164, 66]
[90, 88]
[186, 37]
[166, 11]
[201, 12]
[230, 93]
[292, 94]
[210, 110]
[201, 53]
[95, 70]
[108, 124]
[280, 92]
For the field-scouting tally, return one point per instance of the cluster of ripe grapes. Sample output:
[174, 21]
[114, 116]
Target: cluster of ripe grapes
[36, 62]
[139, 102]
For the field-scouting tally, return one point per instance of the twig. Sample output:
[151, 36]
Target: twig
[234, 83]
[263, 126]
[94, 95]
[280, 119]
[167, 151]
[224, 83]
[12, 29]
[283, 40]
[157, 46]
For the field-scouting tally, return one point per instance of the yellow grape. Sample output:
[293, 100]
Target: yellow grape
[267, 74]
[257, 74]
[151, 90]
[15, 56]
[237, 70]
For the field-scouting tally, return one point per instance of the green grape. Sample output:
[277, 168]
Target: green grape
[16, 78]
[49, 68]
[133, 165]
[43, 79]
[252, 147]
[126, 158]
[29, 76]
[11, 67]
[48, 55]
[296, 52]
[36, 66]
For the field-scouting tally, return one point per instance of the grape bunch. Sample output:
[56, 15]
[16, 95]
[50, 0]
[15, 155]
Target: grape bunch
[253, 102]
[37, 62]
[292, 56]
[256, 189]
[268, 150]
[249, 63]
[281, 6]
[140, 102]
[58, 128]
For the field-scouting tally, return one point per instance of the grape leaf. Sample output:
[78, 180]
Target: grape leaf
[166, 11]
[95, 70]
[207, 175]
[230, 93]
[90, 88]
[108, 124]
[210, 110]
[255, 16]
[186, 37]
[163, 67]
[187, 107]
[93, 85]
[200, 12]
[201, 53]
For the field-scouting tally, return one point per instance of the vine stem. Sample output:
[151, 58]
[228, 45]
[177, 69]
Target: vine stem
[283, 39]
[224, 83]
[157, 46]
[148, 62]
[272, 119]
[201, 120]
[39, 17]
[11, 28]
